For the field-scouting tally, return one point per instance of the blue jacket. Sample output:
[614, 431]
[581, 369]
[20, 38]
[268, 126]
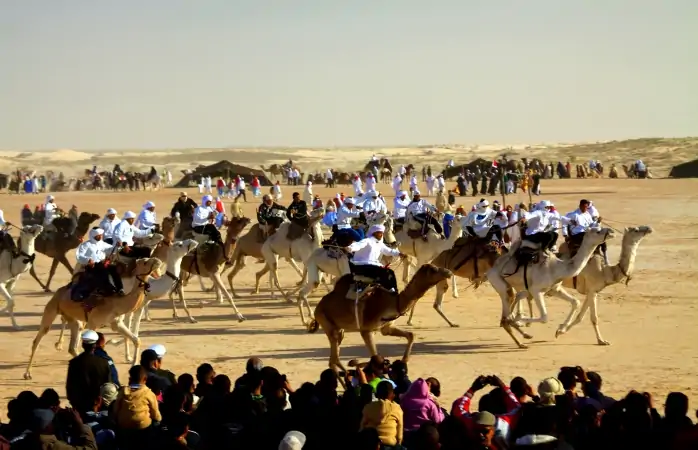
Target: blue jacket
[112, 367]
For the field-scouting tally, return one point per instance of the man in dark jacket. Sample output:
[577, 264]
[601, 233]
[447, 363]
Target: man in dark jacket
[86, 374]
[99, 351]
[156, 382]
[297, 213]
[268, 217]
[185, 207]
[161, 351]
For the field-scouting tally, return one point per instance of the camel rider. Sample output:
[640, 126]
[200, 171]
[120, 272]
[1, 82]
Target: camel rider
[400, 205]
[373, 204]
[581, 221]
[366, 261]
[269, 217]
[92, 254]
[108, 223]
[50, 213]
[6, 241]
[481, 223]
[204, 219]
[537, 226]
[27, 216]
[185, 206]
[297, 213]
[124, 233]
[418, 210]
[345, 215]
[146, 219]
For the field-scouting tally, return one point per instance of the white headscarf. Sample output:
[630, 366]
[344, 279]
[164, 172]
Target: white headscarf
[149, 205]
[376, 228]
[95, 232]
[206, 198]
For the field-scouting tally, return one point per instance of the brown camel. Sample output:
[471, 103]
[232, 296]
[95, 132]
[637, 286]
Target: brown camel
[55, 245]
[276, 170]
[107, 311]
[376, 310]
[209, 260]
[470, 259]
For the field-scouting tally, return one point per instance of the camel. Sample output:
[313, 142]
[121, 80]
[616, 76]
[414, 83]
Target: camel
[275, 170]
[208, 260]
[56, 247]
[332, 262]
[159, 288]
[107, 311]
[466, 259]
[377, 309]
[278, 245]
[11, 267]
[425, 251]
[596, 276]
[536, 279]
[249, 245]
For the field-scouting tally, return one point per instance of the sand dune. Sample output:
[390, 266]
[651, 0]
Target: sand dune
[659, 153]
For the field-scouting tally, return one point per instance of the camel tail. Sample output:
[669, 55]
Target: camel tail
[313, 326]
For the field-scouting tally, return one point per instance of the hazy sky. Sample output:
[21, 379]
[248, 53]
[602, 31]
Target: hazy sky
[91, 74]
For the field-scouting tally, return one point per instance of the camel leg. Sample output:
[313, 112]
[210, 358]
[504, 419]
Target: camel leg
[146, 313]
[295, 267]
[441, 289]
[63, 260]
[595, 321]
[32, 272]
[258, 279]
[59, 343]
[539, 298]
[10, 308]
[406, 270]
[218, 283]
[203, 287]
[303, 299]
[505, 294]
[119, 326]
[454, 288]
[560, 292]
[238, 264]
[335, 339]
[275, 278]
[367, 336]
[390, 330]
[75, 339]
[180, 293]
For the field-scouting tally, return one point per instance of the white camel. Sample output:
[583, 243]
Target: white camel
[299, 250]
[511, 278]
[425, 251]
[332, 262]
[11, 267]
[596, 276]
[159, 288]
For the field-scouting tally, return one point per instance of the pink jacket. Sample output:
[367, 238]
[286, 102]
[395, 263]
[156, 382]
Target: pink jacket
[418, 407]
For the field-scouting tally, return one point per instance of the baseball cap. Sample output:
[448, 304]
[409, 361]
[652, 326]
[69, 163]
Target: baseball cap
[293, 440]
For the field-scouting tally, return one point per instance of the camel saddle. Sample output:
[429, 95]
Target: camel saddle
[471, 248]
[264, 231]
[296, 231]
[86, 289]
[359, 285]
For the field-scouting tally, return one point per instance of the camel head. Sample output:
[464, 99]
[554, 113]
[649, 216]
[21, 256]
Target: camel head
[317, 213]
[179, 249]
[598, 237]
[168, 224]
[431, 274]
[146, 266]
[153, 240]
[31, 231]
[633, 235]
[377, 218]
[86, 218]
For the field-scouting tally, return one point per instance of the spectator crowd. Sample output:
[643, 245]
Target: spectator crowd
[374, 406]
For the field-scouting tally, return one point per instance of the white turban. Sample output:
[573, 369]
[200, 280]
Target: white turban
[96, 232]
[371, 194]
[111, 211]
[49, 198]
[376, 228]
[149, 205]
[349, 201]
[402, 194]
[206, 198]
[416, 192]
[129, 215]
[483, 204]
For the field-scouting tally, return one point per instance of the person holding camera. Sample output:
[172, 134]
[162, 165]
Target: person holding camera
[486, 427]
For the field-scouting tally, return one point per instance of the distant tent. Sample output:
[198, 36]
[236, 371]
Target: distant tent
[224, 169]
[686, 170]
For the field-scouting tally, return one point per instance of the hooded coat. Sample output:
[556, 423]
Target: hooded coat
[418, 406]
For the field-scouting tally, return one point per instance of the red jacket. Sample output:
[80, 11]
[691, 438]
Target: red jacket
[505, 422]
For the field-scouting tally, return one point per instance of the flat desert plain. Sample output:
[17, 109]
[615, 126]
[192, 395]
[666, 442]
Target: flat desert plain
[651, 323]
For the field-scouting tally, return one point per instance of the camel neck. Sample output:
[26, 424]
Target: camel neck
[411, 294]
[626, 262]
[580, 260]
[134, 299]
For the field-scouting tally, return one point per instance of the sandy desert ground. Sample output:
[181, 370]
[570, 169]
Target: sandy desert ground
[651, 323]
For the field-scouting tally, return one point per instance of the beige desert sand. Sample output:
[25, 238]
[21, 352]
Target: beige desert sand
[651, 322]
